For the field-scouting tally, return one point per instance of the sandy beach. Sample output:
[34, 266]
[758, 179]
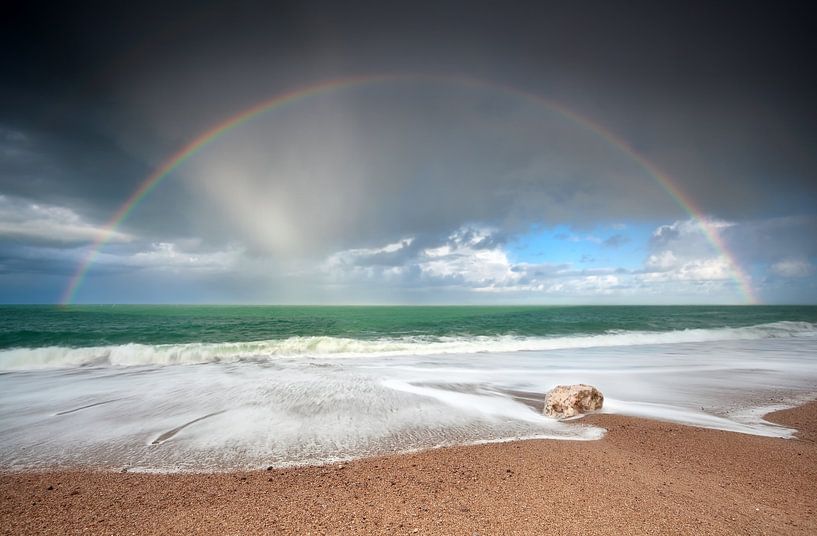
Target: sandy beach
[417, 268]
[644, 477]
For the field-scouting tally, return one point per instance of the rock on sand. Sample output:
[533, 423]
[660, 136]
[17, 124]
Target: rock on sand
[569, 400]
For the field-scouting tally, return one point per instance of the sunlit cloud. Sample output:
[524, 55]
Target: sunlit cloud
[470, 259]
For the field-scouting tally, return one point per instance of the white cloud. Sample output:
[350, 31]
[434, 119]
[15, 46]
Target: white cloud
[168, 254]
[690, 227]
[662, 261]
[350, 257]
[468, 258]
[667, 268]
[681, 262]
[471, 259]
[683, 251]
[174, 257]
[566, 283]
[464, 258]
[37, 222]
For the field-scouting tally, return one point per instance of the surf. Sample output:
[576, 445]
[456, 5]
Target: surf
[329, 347]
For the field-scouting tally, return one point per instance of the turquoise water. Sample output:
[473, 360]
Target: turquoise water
[89, 326]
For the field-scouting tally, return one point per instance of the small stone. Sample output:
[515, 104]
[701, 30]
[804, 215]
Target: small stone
[50, 488]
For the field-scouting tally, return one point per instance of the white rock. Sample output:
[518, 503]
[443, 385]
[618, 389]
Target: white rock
[569, 400]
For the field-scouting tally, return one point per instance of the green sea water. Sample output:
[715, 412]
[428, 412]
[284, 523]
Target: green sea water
[105, 325]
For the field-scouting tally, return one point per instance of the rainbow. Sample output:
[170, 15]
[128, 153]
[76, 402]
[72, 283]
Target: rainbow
[205, 138]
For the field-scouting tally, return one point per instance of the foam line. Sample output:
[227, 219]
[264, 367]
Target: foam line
[88, 406]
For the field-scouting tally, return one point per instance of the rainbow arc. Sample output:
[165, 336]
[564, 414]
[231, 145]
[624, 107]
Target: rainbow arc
[205, 138]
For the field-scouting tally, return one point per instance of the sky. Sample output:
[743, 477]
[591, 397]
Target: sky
[410, 153]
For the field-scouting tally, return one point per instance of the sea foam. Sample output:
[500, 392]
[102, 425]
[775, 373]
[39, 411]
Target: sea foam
[305, 406]
[340, 347]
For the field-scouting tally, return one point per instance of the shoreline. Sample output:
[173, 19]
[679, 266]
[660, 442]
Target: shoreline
[774, 401]
[642, 477]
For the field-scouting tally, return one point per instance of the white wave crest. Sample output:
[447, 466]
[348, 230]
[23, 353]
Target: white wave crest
[339, 347]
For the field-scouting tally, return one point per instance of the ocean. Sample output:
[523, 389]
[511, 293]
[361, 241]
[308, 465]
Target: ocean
[201, 388]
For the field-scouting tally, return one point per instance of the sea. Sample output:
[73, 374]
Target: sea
[214, 388]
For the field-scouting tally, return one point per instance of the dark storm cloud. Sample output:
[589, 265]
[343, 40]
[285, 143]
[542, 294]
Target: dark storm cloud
[775, 239]
[75, 168]
[720, 95]
[15, 259]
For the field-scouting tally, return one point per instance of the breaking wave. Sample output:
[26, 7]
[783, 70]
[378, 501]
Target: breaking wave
[339, 347]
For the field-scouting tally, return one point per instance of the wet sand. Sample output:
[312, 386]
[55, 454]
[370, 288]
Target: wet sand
[644, 477]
